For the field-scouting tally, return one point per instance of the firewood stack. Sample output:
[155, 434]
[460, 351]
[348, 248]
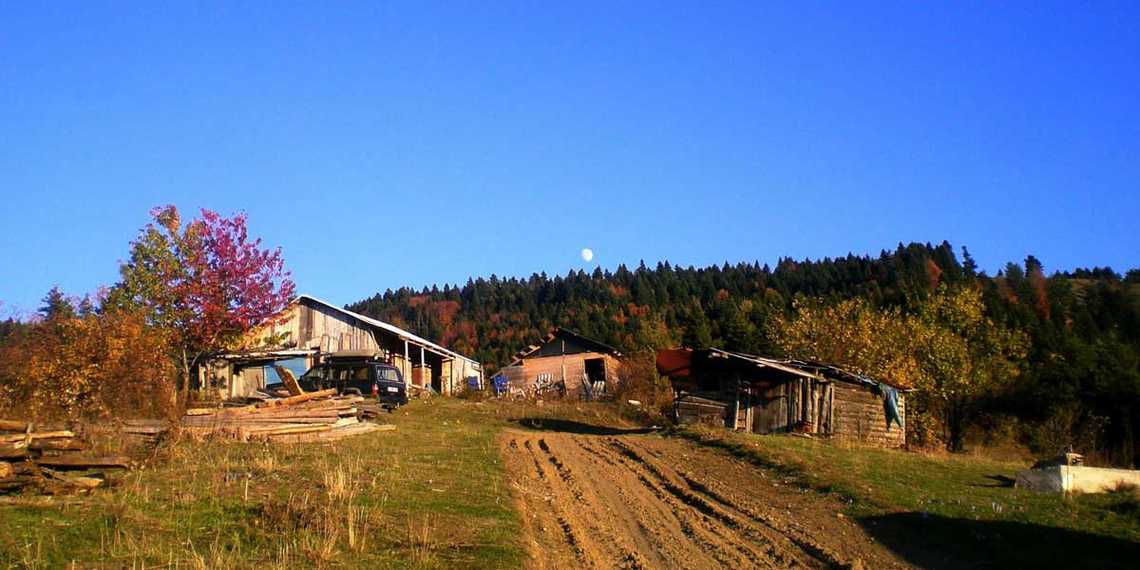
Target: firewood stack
[49, 460]
[312, 416]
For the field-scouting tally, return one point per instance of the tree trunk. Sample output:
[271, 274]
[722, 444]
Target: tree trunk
[185, 377]
[955, 426]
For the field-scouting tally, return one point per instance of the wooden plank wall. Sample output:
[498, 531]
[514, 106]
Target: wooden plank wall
[859, 416]
[575, 367]
[335, 331]
[690, 409]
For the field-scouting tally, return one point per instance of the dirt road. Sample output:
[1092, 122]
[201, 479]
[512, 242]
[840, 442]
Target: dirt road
[644, 501]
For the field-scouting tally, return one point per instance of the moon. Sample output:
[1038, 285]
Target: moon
[587, 254]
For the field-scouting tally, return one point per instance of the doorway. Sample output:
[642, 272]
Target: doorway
[596, 370]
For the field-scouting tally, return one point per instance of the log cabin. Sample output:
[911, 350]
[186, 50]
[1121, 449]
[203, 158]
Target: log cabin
[309, 328]
[758, 394]
[564, 364]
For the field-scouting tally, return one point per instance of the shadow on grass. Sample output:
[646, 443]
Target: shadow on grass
[933, 541]
[568, 426]
[998, 481]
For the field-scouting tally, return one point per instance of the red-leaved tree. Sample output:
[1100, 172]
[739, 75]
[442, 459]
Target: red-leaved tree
[206, 282]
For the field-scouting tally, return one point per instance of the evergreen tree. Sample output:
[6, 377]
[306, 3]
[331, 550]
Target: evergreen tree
[56, 305]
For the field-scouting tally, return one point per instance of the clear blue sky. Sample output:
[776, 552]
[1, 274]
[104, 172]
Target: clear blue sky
[410, 145]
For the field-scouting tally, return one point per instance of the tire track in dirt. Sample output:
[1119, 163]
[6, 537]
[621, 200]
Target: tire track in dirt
[776, 549]
[712, 496]
[642, 501]
[674, 532]
[651, 502]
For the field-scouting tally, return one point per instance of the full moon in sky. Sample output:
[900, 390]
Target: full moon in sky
[587, 254]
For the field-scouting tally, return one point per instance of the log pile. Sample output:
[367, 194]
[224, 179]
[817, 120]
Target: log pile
[311, 416]
[49, 460]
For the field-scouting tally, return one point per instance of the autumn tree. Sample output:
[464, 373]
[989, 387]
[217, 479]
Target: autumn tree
[950, 352]
[206, 282]
[852, 333]
[963, 355]
[69, 367]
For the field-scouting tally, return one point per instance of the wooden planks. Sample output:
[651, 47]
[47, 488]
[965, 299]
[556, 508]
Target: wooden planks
[31, 460]
[305, 417]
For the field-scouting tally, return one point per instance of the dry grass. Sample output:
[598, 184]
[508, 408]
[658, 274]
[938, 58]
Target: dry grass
[425, 495]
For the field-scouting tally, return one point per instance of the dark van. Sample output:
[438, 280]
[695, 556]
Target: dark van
[361, 375]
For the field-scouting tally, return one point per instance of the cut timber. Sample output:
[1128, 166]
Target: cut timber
[290, 430]
[16, 484]
[42, 435]
[261, 420]
[10, 425]
[74, 481]
[201, 411]
[289, 380]
[69, 462]
[298, 399]
[13, 451]
[6, 470]
[58, 445]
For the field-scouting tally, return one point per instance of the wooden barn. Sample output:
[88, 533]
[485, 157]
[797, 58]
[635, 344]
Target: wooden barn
[765, 395]
[564, 363]
[311, 328]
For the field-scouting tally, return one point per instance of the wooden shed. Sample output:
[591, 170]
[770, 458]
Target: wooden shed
[311, 328]
[758, 394]
[564, 363]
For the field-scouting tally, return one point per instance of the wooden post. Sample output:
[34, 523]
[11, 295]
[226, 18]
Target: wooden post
[407, 365]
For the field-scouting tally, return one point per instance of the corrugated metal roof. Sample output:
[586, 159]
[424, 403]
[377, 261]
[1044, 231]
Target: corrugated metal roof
[392, 329]
[768, 362]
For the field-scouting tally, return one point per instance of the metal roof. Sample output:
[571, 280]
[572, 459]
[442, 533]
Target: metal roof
[811, 369]
[766, 362]
[559, 331]
[390, 328]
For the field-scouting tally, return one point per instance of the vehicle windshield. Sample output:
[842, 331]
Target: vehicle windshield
[314, 373]
[387, 374]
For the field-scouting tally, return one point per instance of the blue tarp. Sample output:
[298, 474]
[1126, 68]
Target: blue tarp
[499, 382]
[890, 400]
[891, 405]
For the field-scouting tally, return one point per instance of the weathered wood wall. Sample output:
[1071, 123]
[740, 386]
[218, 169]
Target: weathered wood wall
[313, 325]
[691, 409]
[316, 326]
[571, 368]
[839, 409]
[860, 416]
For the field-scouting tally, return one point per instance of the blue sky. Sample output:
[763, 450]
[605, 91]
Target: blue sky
[407, 144]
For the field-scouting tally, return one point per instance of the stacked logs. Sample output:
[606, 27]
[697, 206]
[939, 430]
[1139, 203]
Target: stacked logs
[312, 416]
[50, 460]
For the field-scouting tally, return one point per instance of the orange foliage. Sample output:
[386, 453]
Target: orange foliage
[619, 291]
[638, 311]
[619, 317]
[445, 311]
[96, 366]
[933, 273]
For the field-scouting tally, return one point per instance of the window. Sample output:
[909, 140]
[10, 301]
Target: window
[297, 366]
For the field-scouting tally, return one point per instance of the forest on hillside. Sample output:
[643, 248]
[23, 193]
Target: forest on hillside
[1074, 381]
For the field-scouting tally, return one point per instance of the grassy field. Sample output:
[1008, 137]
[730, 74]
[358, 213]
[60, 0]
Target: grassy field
[429, 494]
[944, 510]
[432, 495]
